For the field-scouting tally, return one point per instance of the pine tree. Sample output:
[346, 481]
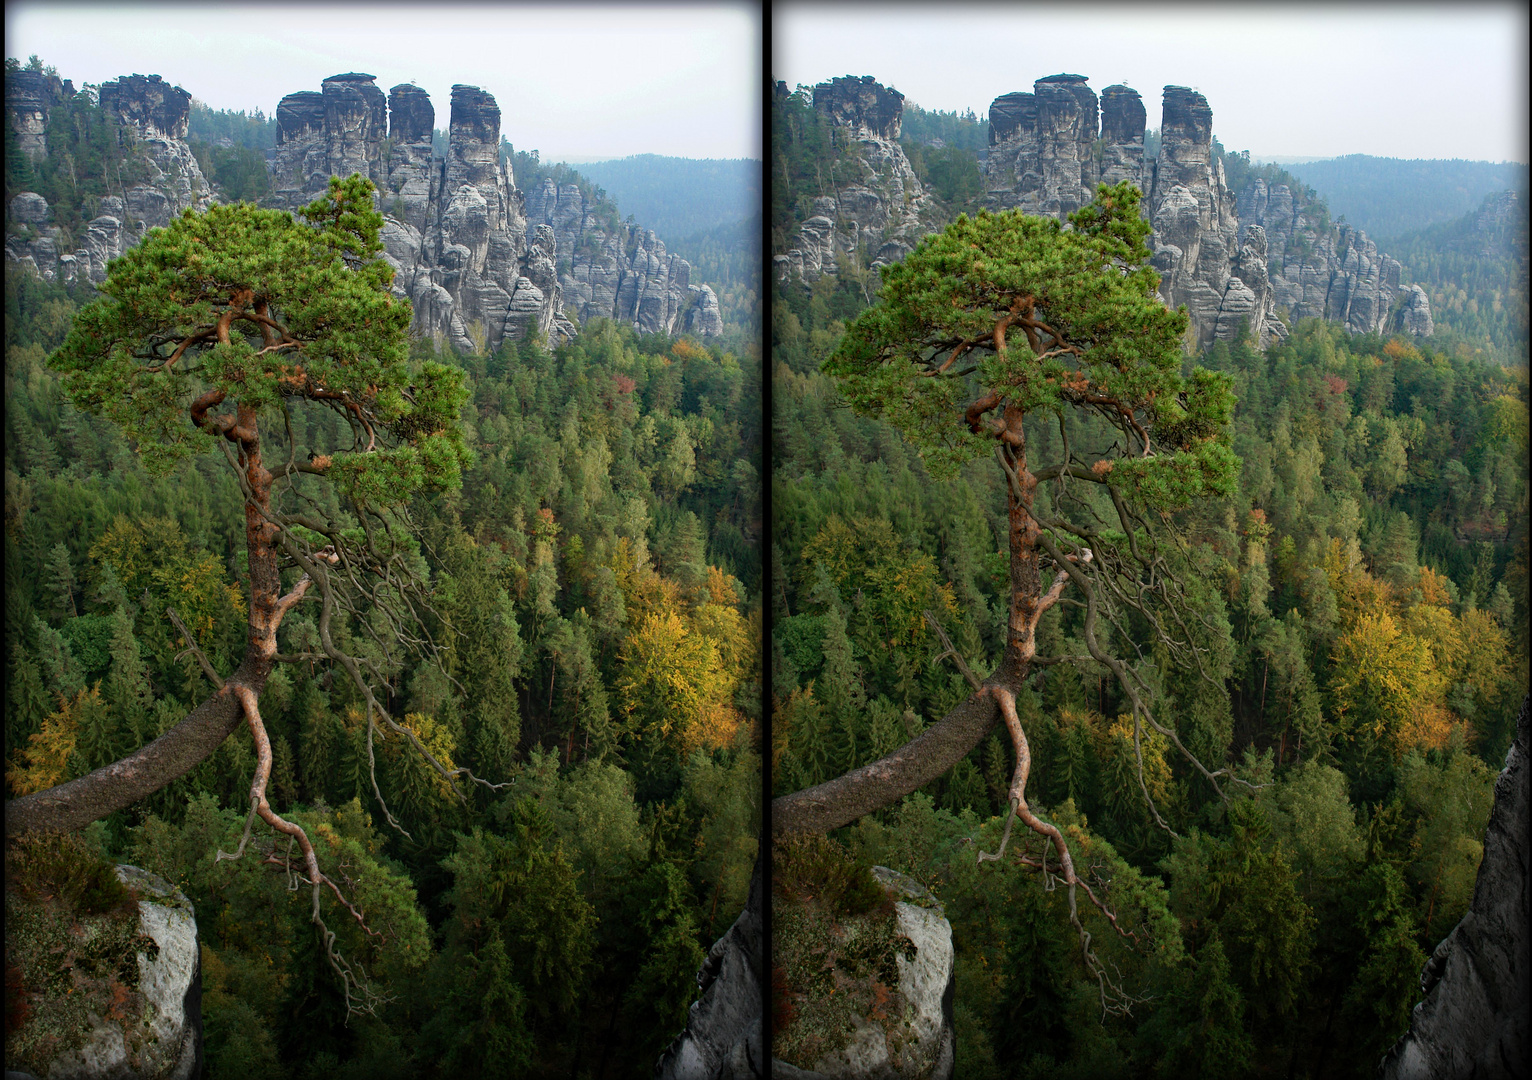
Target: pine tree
[26, 699]
[59, 576]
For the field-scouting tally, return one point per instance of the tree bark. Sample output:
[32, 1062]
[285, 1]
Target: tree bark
[74, 805]
[841, 801]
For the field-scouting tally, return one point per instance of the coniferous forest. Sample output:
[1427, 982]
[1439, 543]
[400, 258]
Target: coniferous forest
[593, 586]
[1363, 589]
[677, 577]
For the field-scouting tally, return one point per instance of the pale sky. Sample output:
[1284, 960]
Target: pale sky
[577, 82]
[1282, 80]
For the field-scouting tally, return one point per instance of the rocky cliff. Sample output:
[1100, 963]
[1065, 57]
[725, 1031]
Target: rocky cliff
[133, 1007]
[475, 261]
[156, 114]
[1050, 148]
[1478, 983]
[876, 218]
[29, 95]
[1331, 273]
[1231, 261]
[474, 253]
[618, 270]
[722, 1039]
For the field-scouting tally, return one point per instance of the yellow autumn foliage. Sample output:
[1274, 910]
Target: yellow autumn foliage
[44, 761]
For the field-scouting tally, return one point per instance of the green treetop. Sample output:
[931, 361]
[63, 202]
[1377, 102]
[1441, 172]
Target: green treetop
[251, 307]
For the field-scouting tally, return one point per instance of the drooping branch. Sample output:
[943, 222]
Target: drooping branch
[951, 650]
[360, 996]
[1113, 999]
[194, 650]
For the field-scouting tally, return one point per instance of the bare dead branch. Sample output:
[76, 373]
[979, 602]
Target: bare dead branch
[193, 649]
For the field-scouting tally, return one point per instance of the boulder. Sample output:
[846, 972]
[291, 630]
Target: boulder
[29, 208]
[149, 1029]
[908, 1032]
[1478, 982]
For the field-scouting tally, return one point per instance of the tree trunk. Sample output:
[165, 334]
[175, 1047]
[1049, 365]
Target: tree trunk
[74, 805]
[842, 800]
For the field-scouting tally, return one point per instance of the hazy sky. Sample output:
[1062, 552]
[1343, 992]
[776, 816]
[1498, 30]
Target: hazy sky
[576, 82]
[1405, 81]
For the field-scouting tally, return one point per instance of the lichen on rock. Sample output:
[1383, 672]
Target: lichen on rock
[101, 972]
[861, 969]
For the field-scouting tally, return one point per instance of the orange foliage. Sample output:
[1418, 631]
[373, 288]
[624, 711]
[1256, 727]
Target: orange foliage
[687, 350]
[1433, 589]
[44, 761]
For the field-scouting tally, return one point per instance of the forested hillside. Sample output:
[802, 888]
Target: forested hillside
[595, 587]
[1365, 593]
[1475, 271]
[1389, 197]
[680, 197]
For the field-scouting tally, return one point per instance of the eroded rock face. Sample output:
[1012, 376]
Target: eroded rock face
[1041, 158]
[1339, 276]
[619, 271]
[474, 267]
[475, 255]
[157, 114]
[722, 1040]
[162, 1038]
[1478, 982]
[454, 230]
[28, 97]
[1122, 135]
[1050, 148]
[877, 218]
[1205, 261]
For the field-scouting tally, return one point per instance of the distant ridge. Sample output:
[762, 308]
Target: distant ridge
[680, 197]
[1389, 197]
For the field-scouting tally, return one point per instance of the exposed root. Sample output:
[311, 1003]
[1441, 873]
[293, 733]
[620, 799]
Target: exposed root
[1114, 1000]
[360, 996]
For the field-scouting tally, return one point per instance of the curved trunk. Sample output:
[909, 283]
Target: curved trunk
[73, 805]
[841, 801]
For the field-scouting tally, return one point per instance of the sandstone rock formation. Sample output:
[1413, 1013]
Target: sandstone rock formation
[1041, 157]
[621, 272]
[1478, 985]
[474, 254]
[1231, 262]
[722, 1039]
[159, 113]
[162, 1038]
[156, 114]
[473, 265]
[1197, 241]
[1335, 274]
[1050, 148]
[454, 231]
[916, 1041]
[28, 97]
[876, 218]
